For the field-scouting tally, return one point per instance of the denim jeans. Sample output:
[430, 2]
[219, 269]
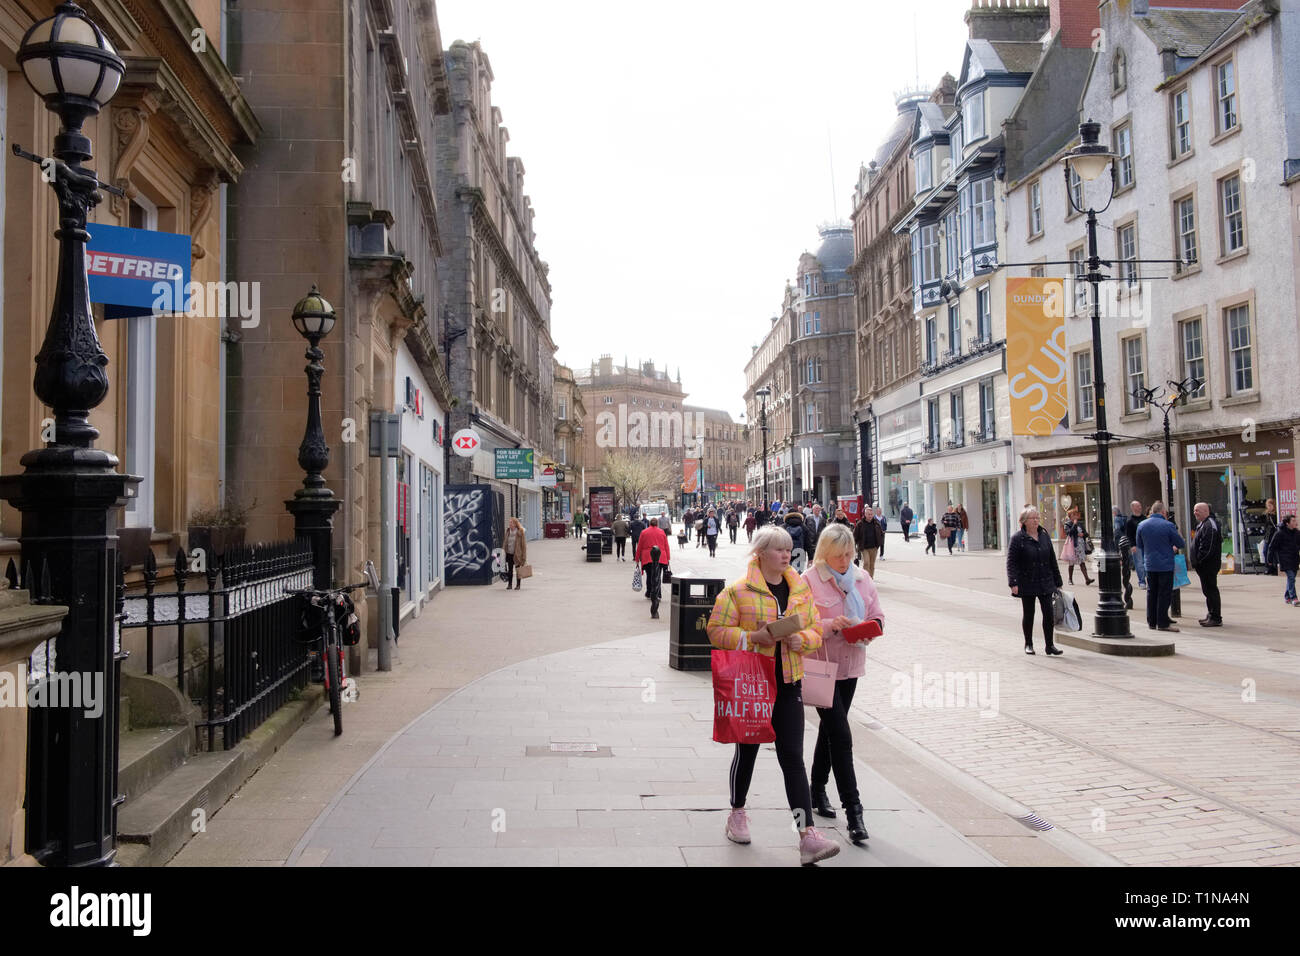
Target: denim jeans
[1290, 585]
[1140, 565]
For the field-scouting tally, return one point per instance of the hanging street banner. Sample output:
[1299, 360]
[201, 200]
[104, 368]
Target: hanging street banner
[514, 463]
[124, 266]
[691, 475]
[1036, 356]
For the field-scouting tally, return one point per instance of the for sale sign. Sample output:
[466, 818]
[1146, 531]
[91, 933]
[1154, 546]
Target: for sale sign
[514, 463]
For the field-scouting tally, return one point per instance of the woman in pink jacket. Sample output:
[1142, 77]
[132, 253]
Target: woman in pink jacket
[844, 595]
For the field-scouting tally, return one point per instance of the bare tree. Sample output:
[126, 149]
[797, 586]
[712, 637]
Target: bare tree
[635, 474]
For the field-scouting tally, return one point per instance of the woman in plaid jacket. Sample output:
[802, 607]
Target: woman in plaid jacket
[741, 613]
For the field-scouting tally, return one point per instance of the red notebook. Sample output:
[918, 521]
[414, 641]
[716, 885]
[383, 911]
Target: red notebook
[866, 632]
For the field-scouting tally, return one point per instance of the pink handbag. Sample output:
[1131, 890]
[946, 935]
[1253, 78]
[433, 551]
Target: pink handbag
[819, 682]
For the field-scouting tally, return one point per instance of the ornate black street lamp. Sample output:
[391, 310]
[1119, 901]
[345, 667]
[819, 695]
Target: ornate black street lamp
[69, 492]
[763, 394]
[313, 505]
[1087, 161]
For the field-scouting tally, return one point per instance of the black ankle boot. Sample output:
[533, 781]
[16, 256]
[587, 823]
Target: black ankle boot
[821, 805]
[857, 830]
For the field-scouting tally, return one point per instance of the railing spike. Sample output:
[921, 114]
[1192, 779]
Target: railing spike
[47, 590]
[29, 580]
[11, 573]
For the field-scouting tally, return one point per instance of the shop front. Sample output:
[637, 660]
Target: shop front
[1236, 478]
[979, 481]
[900, 438]
[1061, 486]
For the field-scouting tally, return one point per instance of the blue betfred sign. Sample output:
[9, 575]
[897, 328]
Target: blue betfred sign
[131, 269]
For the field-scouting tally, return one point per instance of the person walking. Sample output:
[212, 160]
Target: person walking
[813, 524]
[842, 518]
[1032, 575]
[516, 551]
[866, 538]
[620, 529]
[733, 524]
[653, 555]
[1075, 551]
[711, 529]
[634, 529]
[750, 523]
[905, 519]
[1158, 539]
[844, 595]
[1270, 529]
[579, 520]
[1207, 557]
[952, 521]
[1131, 532]
[770, 589]
[699, 528]
[1125, 548]
[1284, 554]
[965, 525]
[931, 532]
[794, 527]
[884, 526]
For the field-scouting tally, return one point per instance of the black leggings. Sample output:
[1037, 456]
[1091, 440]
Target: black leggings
[834, 749]
[788, 722]
[510, 569]
[713, 543]
[1044, 602]
[620, 545]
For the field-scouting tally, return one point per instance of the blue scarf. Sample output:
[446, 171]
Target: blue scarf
[853, 603]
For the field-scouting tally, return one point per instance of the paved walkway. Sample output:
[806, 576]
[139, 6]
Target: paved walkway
[1151, 761]
[489, 777]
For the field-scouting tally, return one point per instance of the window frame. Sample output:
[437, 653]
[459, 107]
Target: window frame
[1126, 271]
[1231, 392]
[1034, 204]
[1176, 203]
[1080, 361]
[989, 207]
[931, 326]
[1118, 59]
[931, 268]
[989, 410]
[1175, 155]
[1220, 131]
[1220, 182]
[1123, 127]
[1133, 406]
[923, 161]
[1201, 395]
[1079, 300]
[1073, 189]
[954, 328]
[957, 416]
[984, 312]
[969, 135]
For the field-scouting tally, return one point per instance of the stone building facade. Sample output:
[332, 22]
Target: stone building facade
[340, 193]
[806, 359]
[497, 321]
[570, 426]
[887, 400]
[721, 453]
[634, 408]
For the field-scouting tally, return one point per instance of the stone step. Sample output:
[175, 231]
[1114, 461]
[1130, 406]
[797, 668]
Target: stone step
[149, 754]
[123, 715]
[161, 820]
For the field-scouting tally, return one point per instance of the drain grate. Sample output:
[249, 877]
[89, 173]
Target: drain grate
[1034, 822]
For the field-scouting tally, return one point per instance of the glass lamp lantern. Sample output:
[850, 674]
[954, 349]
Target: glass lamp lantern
[313, 316]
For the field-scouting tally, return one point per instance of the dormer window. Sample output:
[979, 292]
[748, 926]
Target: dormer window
[972, 117]
[1118, 72]
[923, 174]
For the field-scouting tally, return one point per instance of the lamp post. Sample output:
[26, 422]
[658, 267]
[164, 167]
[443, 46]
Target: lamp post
[1089, 160]
[313, 505]
[763, 395]
[1178, 392]
[69, 492]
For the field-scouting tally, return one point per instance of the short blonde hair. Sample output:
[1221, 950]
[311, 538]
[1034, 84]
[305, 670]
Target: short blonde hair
[1025, 514]
[771, 536]
[835, 539]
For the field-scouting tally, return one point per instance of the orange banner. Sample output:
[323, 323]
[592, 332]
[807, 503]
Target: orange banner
[691, 474]
[1036, 356]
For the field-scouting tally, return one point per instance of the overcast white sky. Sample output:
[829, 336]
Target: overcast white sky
[678, 155]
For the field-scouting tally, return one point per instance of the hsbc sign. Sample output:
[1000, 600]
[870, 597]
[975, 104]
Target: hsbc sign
[465, 442]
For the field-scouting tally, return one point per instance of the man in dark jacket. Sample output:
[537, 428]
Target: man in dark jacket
[634, 529]
[1158, 539]
[867, 535]
[905, 518]
[1131, 532]
[794, 526]
[1206, 556]
[813, 523]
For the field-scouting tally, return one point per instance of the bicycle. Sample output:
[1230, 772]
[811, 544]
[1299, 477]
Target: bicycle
[327, 642]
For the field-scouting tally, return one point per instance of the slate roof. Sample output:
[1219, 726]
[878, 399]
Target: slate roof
[1046, 118]
[836, 251]
[1018, 56]
[1189, 33]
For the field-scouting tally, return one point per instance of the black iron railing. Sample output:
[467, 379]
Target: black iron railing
[254, 658]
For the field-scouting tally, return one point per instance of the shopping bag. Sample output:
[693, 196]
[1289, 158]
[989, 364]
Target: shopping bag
[945, 532]
[668, 575]
[1072, 620]
[524, 571]
[636, 578]
[819, 682]
[1058, 607]
[744, 691]
[1068, 553]
[1181, 580]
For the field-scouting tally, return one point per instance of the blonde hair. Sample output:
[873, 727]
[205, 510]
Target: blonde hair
[516, 522]
[1025, 514]
[836, 539]
[770, 536]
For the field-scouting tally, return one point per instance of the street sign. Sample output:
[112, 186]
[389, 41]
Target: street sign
[559, 475]
[547, 479]
[465, 442]
[133, 270]
[514, 463]
[385, 435]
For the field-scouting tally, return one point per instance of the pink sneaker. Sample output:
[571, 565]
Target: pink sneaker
[814, 847]
[738, 826]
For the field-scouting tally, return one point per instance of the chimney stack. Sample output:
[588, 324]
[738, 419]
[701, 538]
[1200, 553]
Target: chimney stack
[1025, 20]
[1075, 20]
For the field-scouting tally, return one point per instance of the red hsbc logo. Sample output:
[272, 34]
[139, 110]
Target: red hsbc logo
[465, 442]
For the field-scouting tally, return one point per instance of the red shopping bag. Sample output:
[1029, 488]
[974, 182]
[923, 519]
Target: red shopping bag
[744, 691]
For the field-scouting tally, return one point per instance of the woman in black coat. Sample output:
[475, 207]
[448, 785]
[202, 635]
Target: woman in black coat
[1032, 575]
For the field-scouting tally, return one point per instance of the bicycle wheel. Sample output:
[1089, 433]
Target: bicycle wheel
[334, 682]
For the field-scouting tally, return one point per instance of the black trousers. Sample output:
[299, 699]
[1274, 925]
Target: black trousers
[713, 543]
[1160, 591]
[1044, 603]
[652, 578]
[1126, 573]
[1209, 574]
[787, 721]
[510, 570]
[952, 537]
[906, 525]
[620, 546]
[834, 748]
[929, 545]
[731, 530]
